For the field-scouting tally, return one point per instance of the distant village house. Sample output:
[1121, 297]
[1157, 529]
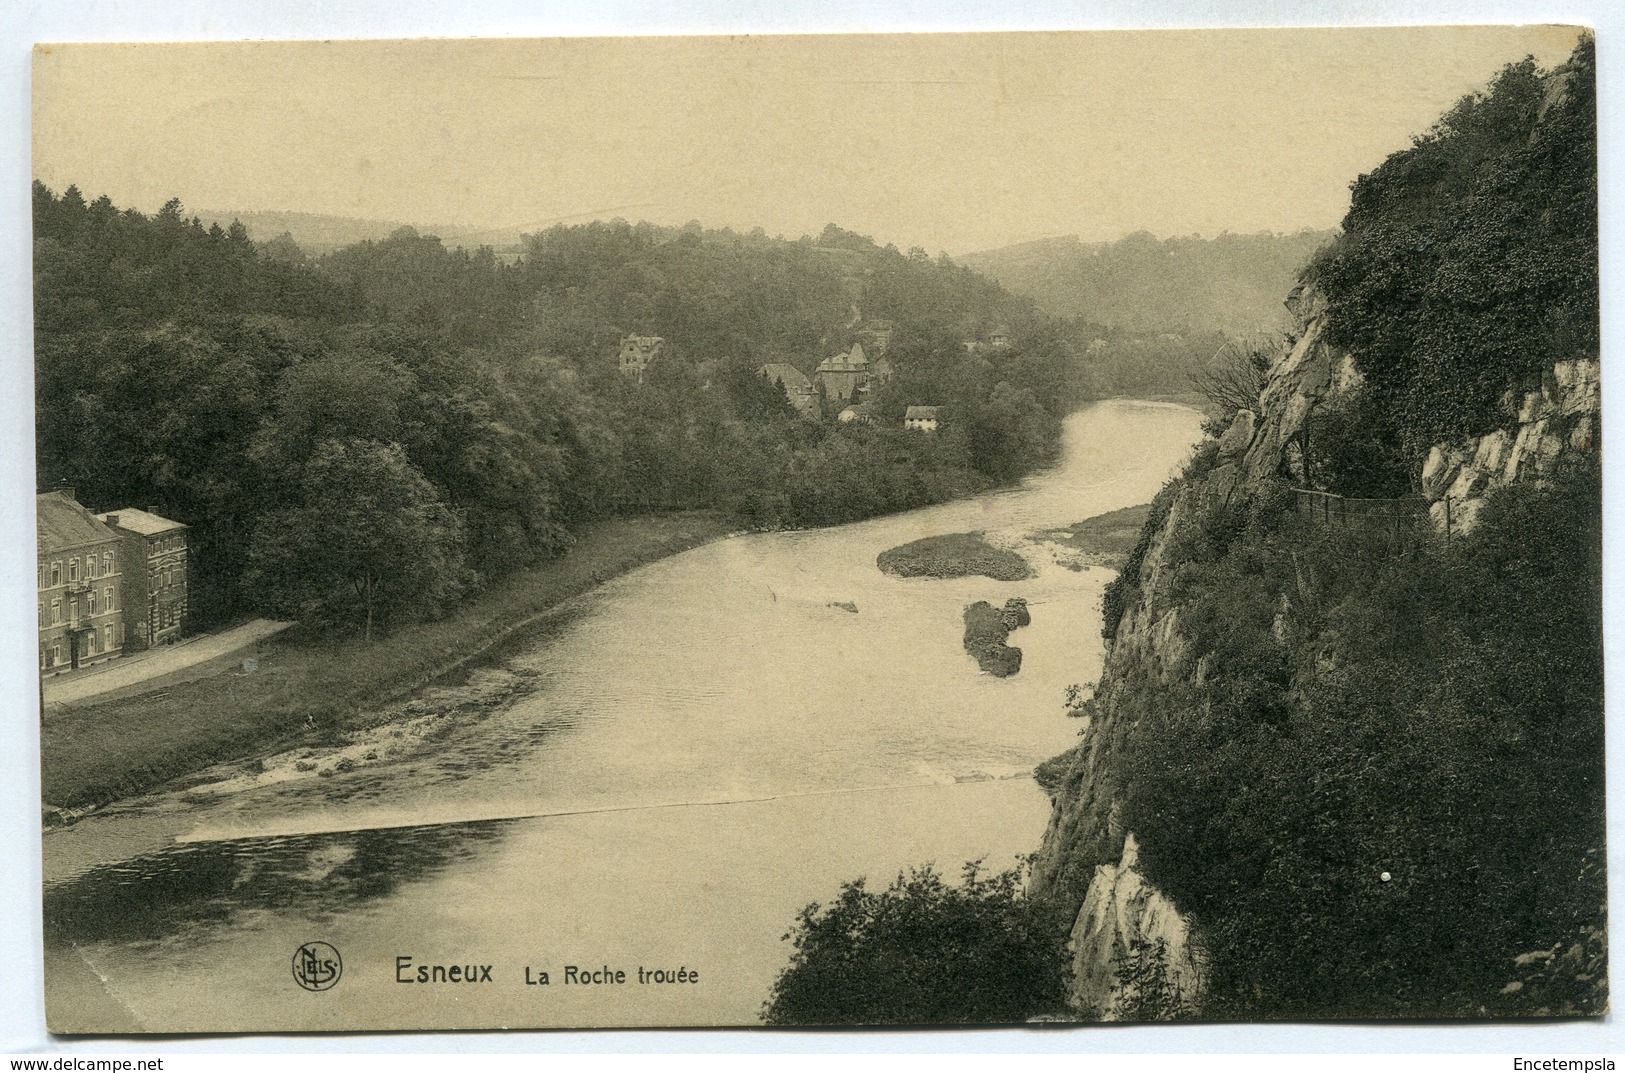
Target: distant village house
[997, 339]
[876, 336]
[796, 384]
[845, 374]
[921, 418]
[637, 351]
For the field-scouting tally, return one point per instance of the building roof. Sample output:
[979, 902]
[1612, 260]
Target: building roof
[60, 522]
[786, 374]
[140, 521]
[921, 413]
[850, 361]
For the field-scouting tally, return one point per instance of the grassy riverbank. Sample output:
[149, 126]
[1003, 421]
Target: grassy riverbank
[310, 688]
[1104, 540]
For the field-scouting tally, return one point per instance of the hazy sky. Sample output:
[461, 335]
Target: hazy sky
[951, 142]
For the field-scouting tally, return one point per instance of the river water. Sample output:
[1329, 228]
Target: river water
[708, 744]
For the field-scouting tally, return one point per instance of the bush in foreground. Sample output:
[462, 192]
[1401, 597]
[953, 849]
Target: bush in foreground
[923, 952]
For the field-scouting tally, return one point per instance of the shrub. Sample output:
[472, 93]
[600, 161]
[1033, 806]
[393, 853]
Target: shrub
[923, 952]
[1146, 990]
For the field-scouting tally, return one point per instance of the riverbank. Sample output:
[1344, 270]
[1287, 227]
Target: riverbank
[313, 689]
[1104, 540]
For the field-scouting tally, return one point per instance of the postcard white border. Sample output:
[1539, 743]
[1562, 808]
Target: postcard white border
[23, 23]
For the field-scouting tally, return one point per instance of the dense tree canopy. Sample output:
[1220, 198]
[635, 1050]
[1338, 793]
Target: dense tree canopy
[185, 368]
[369, 538]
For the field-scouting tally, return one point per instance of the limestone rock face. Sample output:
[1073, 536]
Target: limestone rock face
[1296, 384]
[1239, 436]
[1556, 422]
[1120, 908]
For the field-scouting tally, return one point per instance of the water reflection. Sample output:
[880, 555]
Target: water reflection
[207, 886]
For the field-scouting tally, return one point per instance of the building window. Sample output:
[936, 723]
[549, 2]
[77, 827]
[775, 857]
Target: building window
[43, 620]
[73, 569]
[92, 601]
[107, 638]
[107, 595]
[56, 653]
[56, 574]
[107, 563]
[90, 566]
[56, 612]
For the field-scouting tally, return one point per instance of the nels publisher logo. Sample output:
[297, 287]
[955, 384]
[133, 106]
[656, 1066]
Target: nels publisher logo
[317, 966]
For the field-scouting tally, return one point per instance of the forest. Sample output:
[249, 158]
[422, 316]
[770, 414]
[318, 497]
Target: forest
[359, 438]
[1140, 284]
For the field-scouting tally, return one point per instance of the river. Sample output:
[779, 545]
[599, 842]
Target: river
[706, 745]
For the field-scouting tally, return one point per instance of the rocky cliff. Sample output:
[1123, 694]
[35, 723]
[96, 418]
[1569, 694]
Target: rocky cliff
[1088, 858]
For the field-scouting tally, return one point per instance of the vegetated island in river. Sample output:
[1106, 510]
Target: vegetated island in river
[986, 631]
[954, 555]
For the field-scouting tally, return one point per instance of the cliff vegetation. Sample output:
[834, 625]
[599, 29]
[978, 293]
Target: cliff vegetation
[1347, 755]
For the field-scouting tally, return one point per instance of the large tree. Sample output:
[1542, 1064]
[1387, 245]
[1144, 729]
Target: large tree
[370, 541]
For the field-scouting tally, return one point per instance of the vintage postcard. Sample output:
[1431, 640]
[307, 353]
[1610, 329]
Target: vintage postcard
[930, 529]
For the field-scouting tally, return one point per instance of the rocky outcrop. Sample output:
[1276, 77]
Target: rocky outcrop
[1554, 423]
[1124, 924]
[1308, 375]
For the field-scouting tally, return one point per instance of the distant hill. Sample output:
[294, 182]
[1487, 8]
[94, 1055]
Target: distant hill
[317, 233]
[1232, 283]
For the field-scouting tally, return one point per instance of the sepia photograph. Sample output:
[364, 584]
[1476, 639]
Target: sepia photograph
[819, 530]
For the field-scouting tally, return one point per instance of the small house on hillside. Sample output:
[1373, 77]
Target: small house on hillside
[845, 374]
[862, 413]
[637, 351]
[997, 339]
[798, 388]
[921, 418]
